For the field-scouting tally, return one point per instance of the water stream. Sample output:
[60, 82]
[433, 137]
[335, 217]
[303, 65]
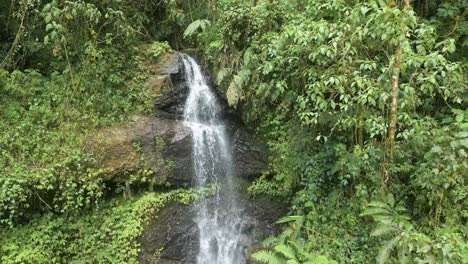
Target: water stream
[219, 217]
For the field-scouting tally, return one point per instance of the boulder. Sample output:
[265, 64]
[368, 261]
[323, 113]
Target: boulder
[114, 151]
[169, 141]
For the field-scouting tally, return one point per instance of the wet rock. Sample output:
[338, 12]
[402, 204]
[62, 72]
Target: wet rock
[173, 234]
[170, 99]
[114, 151]
[169, 140]
[171, 237]
[250, 154]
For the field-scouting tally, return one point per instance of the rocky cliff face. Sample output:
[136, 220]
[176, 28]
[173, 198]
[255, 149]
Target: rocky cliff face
[172, 237]
[164, 142]
[249, 154]
[164, 146]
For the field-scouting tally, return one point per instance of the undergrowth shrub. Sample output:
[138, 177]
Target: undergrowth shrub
[107, 234]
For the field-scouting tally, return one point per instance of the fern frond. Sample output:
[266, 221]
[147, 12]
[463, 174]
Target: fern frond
[286, 251]
[390, 199]
[386, 250]
[195, 25]
[297, 245]
[268, 257]
[269, 242]
[382, 230]
[286, 233]
[400, 209]
[386, 219]
[379, 204]
[248, 54]
[320, 259]
[371, 211]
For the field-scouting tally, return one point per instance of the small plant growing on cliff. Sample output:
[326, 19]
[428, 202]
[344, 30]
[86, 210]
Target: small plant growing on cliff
[158, 48]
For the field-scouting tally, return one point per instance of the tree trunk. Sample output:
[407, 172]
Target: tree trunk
[396, 68]
[8, 60]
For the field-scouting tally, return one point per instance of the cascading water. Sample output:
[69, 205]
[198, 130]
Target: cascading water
[220, 217]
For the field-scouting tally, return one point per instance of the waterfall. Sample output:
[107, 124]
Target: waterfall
[219, 217]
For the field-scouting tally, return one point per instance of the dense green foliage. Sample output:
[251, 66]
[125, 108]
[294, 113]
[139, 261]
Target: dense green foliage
[67, 70]
[43, 132]
[290, 246]
[357, 100]
[45, 121]
[362, 104]
[105, 235]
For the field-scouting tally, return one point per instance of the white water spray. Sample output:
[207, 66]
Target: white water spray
[219, 218]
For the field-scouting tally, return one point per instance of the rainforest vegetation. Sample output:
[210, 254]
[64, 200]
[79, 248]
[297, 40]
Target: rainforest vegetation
[363, 105]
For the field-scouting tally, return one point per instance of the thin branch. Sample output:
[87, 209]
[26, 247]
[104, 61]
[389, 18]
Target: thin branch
[42, 200]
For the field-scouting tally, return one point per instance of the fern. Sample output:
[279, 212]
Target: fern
[234, 91]
[386, 250]
[285, 235]
[320, 259]
[289, 247]
[291, 218]
[268, 257]
[270, 242]
[297, 225]
[382, 230]
[286, 251]
[195, 25]
[248, 55]
[372, 211]
[392, 223]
